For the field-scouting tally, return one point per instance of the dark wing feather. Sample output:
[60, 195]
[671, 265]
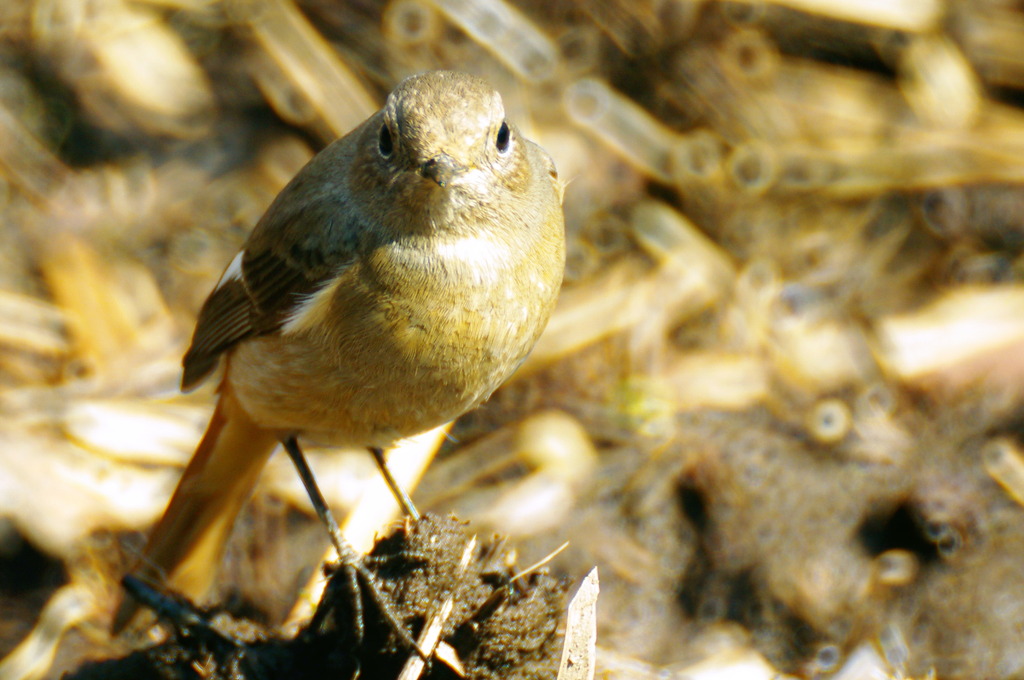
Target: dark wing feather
[257, 303]
[275, 286]
[305, 239]
[224, 320]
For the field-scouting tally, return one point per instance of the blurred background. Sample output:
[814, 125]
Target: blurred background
[780, 404]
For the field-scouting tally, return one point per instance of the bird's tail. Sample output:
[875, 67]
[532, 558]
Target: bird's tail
[187, 543]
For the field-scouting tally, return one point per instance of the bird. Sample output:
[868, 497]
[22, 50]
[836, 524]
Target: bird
[395, 282]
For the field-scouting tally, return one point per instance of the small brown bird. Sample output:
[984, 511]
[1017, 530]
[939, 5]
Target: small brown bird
[392, 285]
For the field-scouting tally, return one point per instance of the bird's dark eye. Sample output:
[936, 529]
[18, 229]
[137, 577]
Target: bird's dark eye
[384, 143]
[502, 141]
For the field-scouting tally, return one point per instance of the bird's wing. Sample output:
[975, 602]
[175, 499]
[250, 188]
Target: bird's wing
[280, 266]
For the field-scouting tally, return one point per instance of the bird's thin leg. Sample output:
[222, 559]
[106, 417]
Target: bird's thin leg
[396, 489]
[350, 559]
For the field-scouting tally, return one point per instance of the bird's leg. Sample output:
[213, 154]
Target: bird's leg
[347, 555]
[397, 491]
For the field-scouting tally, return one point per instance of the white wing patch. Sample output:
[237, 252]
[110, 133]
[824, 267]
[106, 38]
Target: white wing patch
[311, 310]
[233, 272]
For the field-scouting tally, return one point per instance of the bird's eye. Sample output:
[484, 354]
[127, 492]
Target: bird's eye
[504, 138]
[385, 144]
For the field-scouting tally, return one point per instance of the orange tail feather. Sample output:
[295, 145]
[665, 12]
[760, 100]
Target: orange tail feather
[187, 543]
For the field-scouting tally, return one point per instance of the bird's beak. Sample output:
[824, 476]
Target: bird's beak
[441, 168]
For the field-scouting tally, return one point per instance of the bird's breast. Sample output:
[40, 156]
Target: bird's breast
[461, 303]
[412, 336]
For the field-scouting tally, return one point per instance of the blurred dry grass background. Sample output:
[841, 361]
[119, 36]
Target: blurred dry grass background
[787, 365]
